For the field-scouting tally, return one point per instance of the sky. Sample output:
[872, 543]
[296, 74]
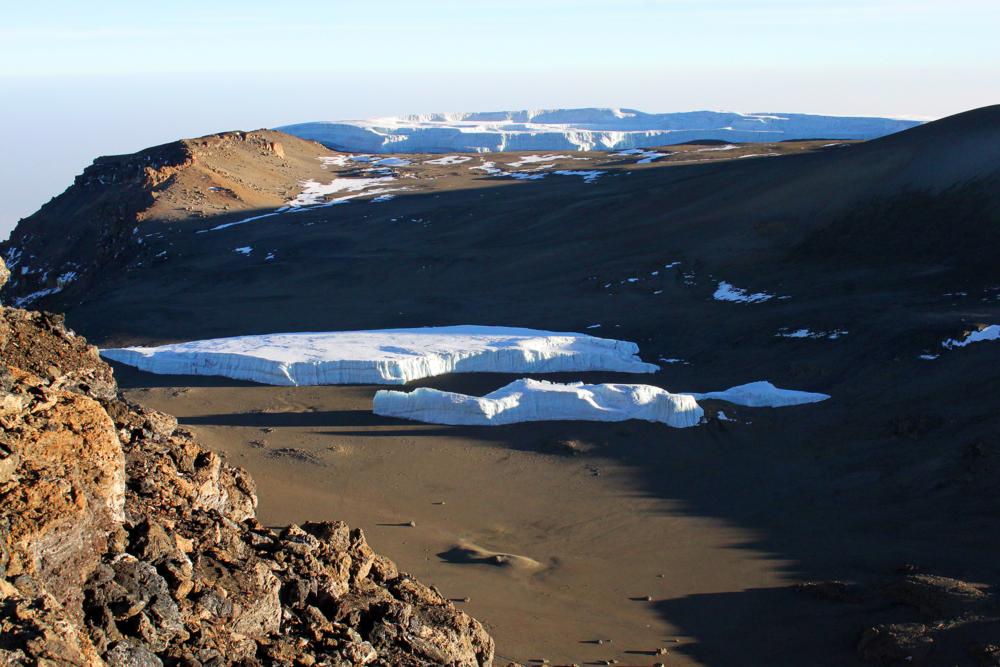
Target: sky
[80, 80]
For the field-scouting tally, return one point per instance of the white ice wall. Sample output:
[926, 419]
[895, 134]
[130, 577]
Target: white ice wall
[533, 400]
[388, 356]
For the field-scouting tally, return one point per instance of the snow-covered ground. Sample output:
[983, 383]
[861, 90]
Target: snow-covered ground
[448, 160]
[529, 400]
[389, 356]
[579, 129]
[991, 332]
[645, 157]
[534, 159]
[315, 195]
[62, 281]
[588, 176]
[490, 168]
[711, 149]
[762, 394]
[533, 400]
[728, 292]
[834, 334]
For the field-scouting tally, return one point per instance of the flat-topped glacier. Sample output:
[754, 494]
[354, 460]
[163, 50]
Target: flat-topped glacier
[534, 400]
[386, 356]
[580, 129]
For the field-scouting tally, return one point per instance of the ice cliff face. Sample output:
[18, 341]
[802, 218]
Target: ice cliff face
[389, 356]
[580, 129]
[533, 400]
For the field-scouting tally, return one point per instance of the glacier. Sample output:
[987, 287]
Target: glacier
[534, 400]
[580, 130]
[529, 400]
[386, 356]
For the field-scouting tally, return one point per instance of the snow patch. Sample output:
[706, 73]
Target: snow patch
[990, 332]
[727, 147]
[762, 394]
[533, 159]
[727, 292]
[785, 332]
[448, 160]
[489, 167]
[587, 176]
[393, 162]
[245, 250]
[650, 156]
[389, 356]
[61, 282]
[313, 195]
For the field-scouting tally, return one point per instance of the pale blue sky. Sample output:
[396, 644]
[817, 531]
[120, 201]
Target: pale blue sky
[85, 79]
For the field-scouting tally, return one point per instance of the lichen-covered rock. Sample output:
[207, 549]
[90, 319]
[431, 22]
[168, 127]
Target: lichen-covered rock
[4, 273]
[35, 630]
[66, 492]
[124, 542]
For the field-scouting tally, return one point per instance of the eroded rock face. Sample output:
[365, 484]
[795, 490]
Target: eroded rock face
[126, 543]
[62, 486]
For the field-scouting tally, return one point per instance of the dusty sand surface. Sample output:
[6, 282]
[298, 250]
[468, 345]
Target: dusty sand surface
[555, 551]
[558, 532]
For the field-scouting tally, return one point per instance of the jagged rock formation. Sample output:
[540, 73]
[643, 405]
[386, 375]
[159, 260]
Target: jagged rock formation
[98, 225]
[123, 542]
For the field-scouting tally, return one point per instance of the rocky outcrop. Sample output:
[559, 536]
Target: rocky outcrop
[924, 619]
[98, 227]
[124, 542]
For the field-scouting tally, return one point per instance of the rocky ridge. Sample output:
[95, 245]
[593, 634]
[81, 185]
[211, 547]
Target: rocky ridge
[100, 224]
[124, 542]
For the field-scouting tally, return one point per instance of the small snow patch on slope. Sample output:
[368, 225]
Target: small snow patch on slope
[489, 167]
[393, 162]
[448, 160]
[785, 332]
[532, 159]
[762, 394]
[728, 292]
[650, 157]
[986, 333]
[727, 147]
[587, 176]
[532, 400]
[389, 356]
[314, 195]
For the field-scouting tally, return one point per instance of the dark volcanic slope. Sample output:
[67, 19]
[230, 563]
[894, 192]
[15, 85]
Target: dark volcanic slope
[920, 205]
